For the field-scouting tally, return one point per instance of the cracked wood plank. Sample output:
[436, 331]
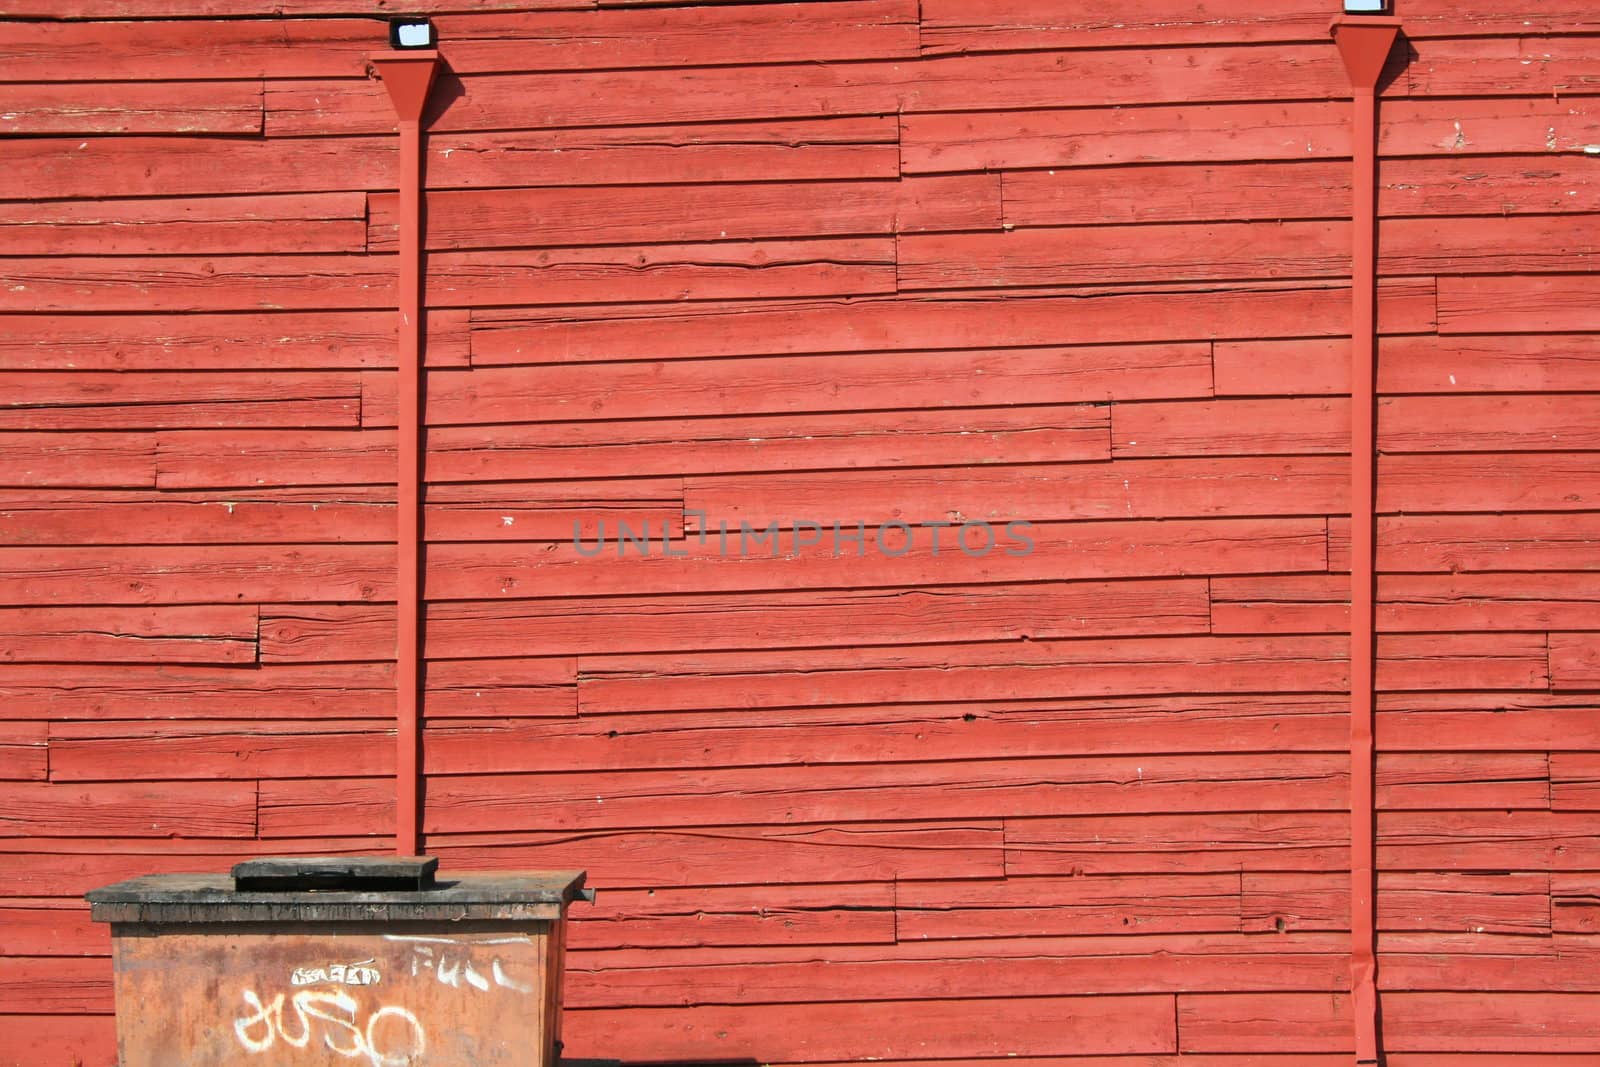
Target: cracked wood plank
[164, 809]
[86, 460]
[1122, 489]
[275, 341]
[983, 320]
[807, 90]
[1071, 551]
[189, 108]
[324, 222]
[1504, 363]
[1242, 132]
[742, 855]
[667, 447]
[632, 214]
[219, 750]
[188, 634]
[870, 734]
[190, 573]
[118, 400]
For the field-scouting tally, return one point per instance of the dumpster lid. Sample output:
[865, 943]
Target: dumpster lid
[336, 889]
[355, 873]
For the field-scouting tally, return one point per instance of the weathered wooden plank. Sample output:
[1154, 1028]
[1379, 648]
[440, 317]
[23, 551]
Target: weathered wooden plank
[1264, 1022]
[1036, 670]
[828, 1031]
[1295, 188]
[114, 400]
[1092, 255]
[1422, 781]
[207, 9]
[783, 384]
[161, 50]
[869, 734]
[964, 26]
[1510, 903]
[1513, 304]
[165, 809]
[1230, 428]
[1574, 781]
[221, 283]
[1574, 903]
[130, 517]
[190, 574]
[1477, 543]
[822, 618]
[666, 447]
[322, 222]
[683, 389]
[1490, 963]
[822, 148]
[189, 634]
[742, 855]
[1178, 192]
[979, 320]
[205, 459]
[1461, 721]
[1487, 840]
[91, 1039]
[743, 915]
[279, 341]
[1072, 906]
[756, 385]
[309, 633]
[51, 928]
[711, 271]
[133, 691]
[1408, 602]
[63, 986]
[1247, 132]
[1511, 481]
[1511, 363]
[188, 166]
[641, 37]
[630, 214]
[71, 866]
[24, 756]
[790, 91]
[84, 460]
[218, 750]
[1256, 841]
[1520, 65]
[189, 108]
[523, 688]
[1014, 968]
[646, 799]
[1124, 489]
[841, 147]
[1489, 1022]
[1215, 251]
[1062, 552]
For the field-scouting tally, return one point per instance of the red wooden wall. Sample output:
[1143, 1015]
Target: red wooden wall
[873, 259]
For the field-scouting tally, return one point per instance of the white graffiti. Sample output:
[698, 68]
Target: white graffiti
[451, 965]
[392, 1036]
[361, 973]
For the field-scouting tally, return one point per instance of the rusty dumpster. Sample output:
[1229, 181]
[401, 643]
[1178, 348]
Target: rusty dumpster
[315, 962]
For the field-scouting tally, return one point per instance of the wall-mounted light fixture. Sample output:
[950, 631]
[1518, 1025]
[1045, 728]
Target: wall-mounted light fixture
[412, 33]
[1366, 7]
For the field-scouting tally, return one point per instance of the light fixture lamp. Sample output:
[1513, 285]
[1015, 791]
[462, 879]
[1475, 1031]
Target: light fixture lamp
[412, 32]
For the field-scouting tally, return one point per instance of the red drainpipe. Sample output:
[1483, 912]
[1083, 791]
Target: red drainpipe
[408, 76]
[1365, 43]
